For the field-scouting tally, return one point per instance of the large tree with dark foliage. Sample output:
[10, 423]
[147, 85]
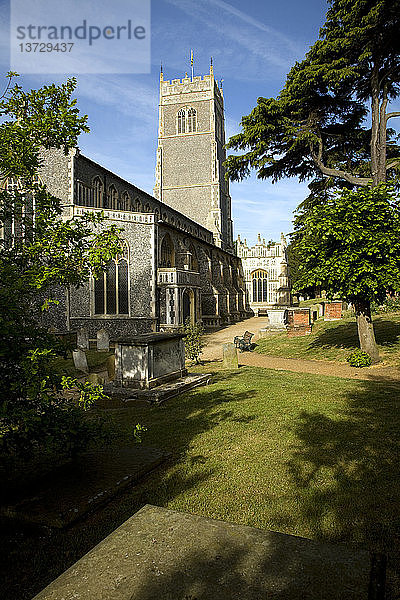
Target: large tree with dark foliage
[330, 121]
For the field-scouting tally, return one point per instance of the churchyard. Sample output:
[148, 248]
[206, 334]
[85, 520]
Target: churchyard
[297, 453]
[334, 340]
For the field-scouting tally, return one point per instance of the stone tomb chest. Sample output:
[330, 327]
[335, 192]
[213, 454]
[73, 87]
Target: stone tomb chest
[145, 361]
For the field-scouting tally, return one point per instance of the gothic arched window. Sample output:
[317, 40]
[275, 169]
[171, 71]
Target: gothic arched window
[167, 258]
[125, 202]
[111, 289]
[112, 197]
[187, 120]
[13, 222]
[191, 120]
[194, 263]
[97, 192]
[260, 289]
[182, 121]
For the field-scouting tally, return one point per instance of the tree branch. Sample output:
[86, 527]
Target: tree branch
[353, 179]
[392, 163]
[392, 114]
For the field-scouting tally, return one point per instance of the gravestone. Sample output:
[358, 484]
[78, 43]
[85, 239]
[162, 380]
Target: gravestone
[333, 311]
[80, 360]
[298, 322]
[110, 362]
[83, 339]
[229, 356]
[103, 341]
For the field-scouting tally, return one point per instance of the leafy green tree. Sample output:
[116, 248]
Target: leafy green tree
[330, 121]
[39, 252]
[351, 245]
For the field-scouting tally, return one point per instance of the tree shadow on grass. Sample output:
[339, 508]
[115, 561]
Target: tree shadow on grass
[344, 335]
[32, 558]
[346, 471]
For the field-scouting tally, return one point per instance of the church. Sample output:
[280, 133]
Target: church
[179, 260]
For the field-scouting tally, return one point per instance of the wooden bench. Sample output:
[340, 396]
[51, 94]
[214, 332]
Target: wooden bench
[244, 342]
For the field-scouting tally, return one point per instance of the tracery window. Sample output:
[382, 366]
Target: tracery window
[187, 120]
[19, 224]
[111, 289]
[97, 192]
[167, 258]
[191, 120]
[124, 202]
[112, 197]
[182, 121]
[260, 291]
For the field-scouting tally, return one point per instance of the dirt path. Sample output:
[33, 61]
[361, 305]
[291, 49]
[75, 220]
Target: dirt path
[213, 351]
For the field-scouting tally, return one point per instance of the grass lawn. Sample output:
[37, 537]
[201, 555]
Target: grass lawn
[95, 361]
[334, 340]
[297, 453]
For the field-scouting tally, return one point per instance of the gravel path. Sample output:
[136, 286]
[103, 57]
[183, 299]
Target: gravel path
[213, 351]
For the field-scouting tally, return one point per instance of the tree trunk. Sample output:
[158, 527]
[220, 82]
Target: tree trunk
[365, 329]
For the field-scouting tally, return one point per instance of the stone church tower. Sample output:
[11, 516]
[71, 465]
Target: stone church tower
[190, 176]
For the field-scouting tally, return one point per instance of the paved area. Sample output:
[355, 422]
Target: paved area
[161, 553]
[213, 351]
[214, 341]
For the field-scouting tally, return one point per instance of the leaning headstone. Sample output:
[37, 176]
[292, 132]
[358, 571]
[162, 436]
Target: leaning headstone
[110, 362]
[80, 360]
[103, 340]
[229, 356]
[83, 339]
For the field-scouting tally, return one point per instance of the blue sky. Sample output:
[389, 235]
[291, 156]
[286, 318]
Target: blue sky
[253, 45]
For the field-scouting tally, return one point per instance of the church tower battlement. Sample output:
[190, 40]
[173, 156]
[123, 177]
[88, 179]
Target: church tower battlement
[190, 176]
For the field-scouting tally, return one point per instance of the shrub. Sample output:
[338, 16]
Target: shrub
[358, 358]
[390, 305]
[193, 342]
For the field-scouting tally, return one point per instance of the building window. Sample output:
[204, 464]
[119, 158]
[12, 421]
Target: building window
[193, 262]
[182, 121]
[167, 258]
[125, 202]
[112, 197]
[259, 279]
[187, 120]
[191, 120]
[18, 223]
[111, 289]
[97, 192]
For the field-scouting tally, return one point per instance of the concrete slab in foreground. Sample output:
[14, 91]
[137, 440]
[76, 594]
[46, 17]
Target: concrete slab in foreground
[165, 555]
